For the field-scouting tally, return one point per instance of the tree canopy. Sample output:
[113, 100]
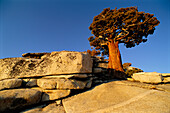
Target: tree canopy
[124, 25]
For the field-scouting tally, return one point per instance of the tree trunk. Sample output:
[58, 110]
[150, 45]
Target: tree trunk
[115, 62]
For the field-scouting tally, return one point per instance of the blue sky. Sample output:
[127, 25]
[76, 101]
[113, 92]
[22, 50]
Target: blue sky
[55, 25]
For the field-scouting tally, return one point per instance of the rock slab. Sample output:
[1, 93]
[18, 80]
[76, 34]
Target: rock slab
[148, 77]
[54, 94]
[51, 108]
[64, 62]
[18, 98]
[10, 83]
[29, 82]
[118, 98]
[63, 83]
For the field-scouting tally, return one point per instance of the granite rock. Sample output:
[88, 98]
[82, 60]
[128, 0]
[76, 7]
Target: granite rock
[51, 108]
[48, 95]
[148, 77]
[64, 62]
[63, 83]
[69, 76]
[102, 65]
[54, 94]
[30, 82]
[18, 98]
[10, 83]
[117, 97]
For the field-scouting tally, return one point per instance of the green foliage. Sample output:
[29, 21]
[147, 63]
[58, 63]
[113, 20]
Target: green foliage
[93, 52]
[126, 65]
[129, 73]
[125, 25]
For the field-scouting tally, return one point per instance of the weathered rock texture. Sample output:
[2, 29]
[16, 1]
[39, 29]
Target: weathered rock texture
[18, 98]
[42, 77]
[34, 55]
[54, 94]
[48, 95]
[117, 97]
[100, 70]
[148, 77]
[44, 80]
[49, 64]
[166, 77]
[30, 82]
[51, 108]
[10, 83]
[63, 83]
[69, 76]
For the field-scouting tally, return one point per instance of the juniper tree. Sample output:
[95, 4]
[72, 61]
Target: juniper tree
[114, 26]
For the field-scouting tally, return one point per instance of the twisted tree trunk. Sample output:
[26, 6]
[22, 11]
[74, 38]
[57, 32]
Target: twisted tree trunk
[115, 62]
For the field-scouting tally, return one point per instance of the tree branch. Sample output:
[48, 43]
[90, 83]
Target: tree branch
[137, 24]
[119, 38]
